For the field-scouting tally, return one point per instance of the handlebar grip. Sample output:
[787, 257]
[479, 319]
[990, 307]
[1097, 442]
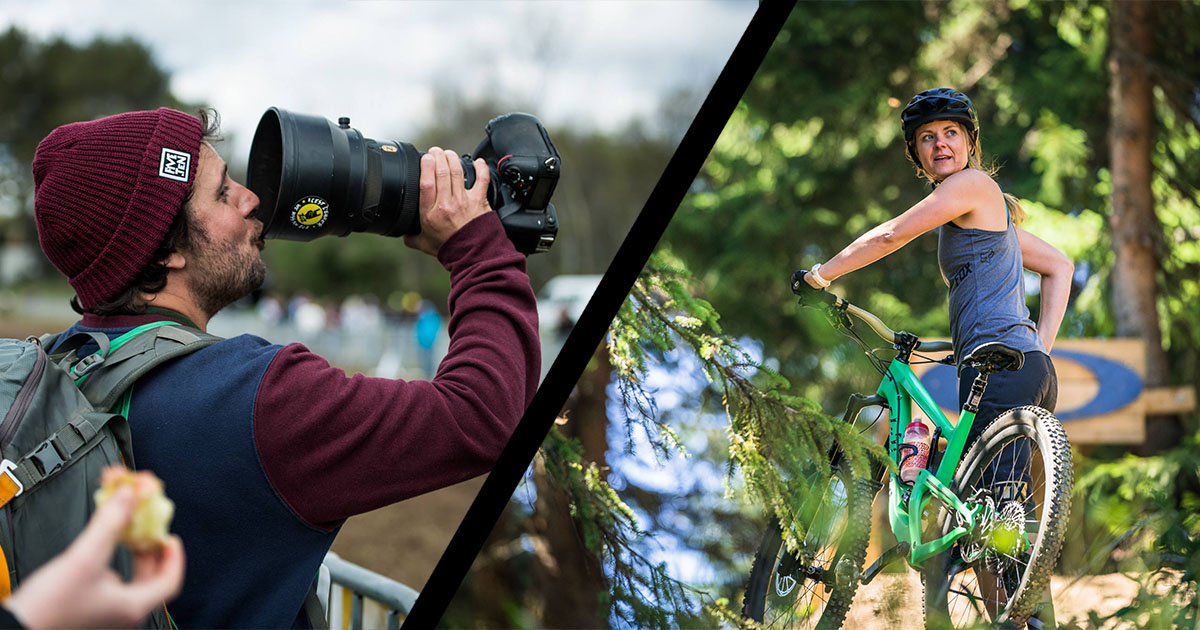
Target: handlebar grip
[808, 295]
[935, 346]
[799, 286]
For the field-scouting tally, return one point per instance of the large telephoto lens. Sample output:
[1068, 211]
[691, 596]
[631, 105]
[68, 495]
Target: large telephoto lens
[316, 178]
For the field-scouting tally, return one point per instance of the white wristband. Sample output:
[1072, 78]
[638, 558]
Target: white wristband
[817, 276]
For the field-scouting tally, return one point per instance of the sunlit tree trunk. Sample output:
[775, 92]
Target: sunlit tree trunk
[1135, 228]
[576, 574]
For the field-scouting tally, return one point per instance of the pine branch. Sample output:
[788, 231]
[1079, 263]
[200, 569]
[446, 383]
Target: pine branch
[776, 440]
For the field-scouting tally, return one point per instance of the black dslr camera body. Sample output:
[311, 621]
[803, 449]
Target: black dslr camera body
[315, 178]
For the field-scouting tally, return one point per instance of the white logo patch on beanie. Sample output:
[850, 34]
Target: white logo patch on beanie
[174, 165]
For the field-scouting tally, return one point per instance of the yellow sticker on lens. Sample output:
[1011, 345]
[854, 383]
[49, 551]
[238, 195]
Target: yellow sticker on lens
[310, 212]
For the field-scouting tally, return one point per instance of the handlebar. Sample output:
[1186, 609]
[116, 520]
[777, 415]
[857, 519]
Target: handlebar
[807, 294]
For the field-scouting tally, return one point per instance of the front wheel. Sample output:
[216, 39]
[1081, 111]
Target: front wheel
[1020, 471]
[813, 587]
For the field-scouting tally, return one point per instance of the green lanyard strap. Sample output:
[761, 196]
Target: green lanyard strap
[127, 398]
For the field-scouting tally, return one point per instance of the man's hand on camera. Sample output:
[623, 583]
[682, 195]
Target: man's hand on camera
[446, 205]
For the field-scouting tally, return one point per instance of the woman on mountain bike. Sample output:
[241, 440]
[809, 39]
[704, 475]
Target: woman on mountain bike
[981, 252]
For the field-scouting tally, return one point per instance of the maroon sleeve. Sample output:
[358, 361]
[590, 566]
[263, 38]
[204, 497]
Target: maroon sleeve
[334, 446]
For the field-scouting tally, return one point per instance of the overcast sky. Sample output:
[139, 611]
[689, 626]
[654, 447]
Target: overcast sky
[589, 64]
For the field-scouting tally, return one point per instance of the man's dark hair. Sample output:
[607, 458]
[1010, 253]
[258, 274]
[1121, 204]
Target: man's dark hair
[153, 278]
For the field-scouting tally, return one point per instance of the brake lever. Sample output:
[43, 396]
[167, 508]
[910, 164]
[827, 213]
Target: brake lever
[838, 317]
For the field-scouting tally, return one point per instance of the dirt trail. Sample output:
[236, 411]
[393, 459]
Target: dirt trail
[894, 601]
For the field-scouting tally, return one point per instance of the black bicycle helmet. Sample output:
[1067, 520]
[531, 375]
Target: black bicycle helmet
[937, 104]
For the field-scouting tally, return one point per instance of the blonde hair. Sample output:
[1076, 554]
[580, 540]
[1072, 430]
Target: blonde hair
[975, 161]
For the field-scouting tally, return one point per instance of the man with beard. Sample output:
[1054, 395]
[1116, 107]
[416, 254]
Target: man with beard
[267, 449]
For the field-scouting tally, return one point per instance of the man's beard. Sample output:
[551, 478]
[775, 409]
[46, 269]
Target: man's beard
[222, 275]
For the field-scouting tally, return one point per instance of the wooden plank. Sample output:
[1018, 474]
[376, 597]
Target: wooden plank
[1111, 428]
[1169, 399]
[1129, 352]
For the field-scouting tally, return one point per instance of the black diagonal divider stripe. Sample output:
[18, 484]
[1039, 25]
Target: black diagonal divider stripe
[601, 309]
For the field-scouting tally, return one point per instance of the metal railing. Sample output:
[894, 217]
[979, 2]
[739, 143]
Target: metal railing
[354, 597]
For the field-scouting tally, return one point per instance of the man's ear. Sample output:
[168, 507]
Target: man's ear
[175, 261]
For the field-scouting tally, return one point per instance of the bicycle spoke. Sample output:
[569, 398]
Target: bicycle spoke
[970, 606]
[804, 608]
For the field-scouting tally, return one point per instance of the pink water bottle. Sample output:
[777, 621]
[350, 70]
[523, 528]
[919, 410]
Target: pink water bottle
[917, 436]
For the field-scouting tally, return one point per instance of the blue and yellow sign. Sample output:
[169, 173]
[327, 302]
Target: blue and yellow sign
[1101, 394]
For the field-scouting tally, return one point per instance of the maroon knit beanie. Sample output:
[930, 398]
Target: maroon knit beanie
[106, 192]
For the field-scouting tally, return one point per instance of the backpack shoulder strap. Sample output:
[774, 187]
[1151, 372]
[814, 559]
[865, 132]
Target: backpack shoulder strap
[104, 375]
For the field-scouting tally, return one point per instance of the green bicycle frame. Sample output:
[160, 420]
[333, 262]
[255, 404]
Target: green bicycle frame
[901, 388]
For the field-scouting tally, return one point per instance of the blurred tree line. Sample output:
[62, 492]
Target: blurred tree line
[1092, 111]
[54, 82]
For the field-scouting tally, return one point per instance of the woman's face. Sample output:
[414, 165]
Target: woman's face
[943, 146]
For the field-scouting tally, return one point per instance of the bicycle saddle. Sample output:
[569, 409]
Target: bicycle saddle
[993, 357]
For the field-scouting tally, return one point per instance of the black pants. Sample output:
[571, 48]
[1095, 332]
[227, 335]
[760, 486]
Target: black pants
[1035, 383]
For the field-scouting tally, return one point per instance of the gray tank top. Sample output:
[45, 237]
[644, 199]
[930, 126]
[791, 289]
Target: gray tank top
[987, 293]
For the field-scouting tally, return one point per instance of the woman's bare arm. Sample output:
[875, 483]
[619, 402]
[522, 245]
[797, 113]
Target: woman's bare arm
[958, 195]
[1056, 270]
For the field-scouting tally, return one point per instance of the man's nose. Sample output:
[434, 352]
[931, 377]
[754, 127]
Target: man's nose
[250, 204]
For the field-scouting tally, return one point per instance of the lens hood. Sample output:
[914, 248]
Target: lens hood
[314, 178]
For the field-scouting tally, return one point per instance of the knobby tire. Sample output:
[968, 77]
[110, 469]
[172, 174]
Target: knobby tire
[954, 595]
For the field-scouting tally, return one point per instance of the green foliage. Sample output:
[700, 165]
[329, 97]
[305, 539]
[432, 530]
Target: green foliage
[1150, 507]
[774, 437]
[599, 510]
[1060, 154]
[1176, 188]
[642, 594]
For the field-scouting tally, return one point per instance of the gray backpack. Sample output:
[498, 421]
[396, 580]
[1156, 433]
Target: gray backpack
[65, 420]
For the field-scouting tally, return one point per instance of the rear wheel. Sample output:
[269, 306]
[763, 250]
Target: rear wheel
[813, 588]
[1020, 470]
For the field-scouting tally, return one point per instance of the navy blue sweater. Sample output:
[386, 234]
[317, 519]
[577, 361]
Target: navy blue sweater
[267, 449]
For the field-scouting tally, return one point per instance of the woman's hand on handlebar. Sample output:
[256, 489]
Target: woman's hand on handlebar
[810, 295]
[797, 281]
[802, 281]
[802, 277]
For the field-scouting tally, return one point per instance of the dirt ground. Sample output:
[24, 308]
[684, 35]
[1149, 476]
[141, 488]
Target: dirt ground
[889, 601]
[404, 541]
